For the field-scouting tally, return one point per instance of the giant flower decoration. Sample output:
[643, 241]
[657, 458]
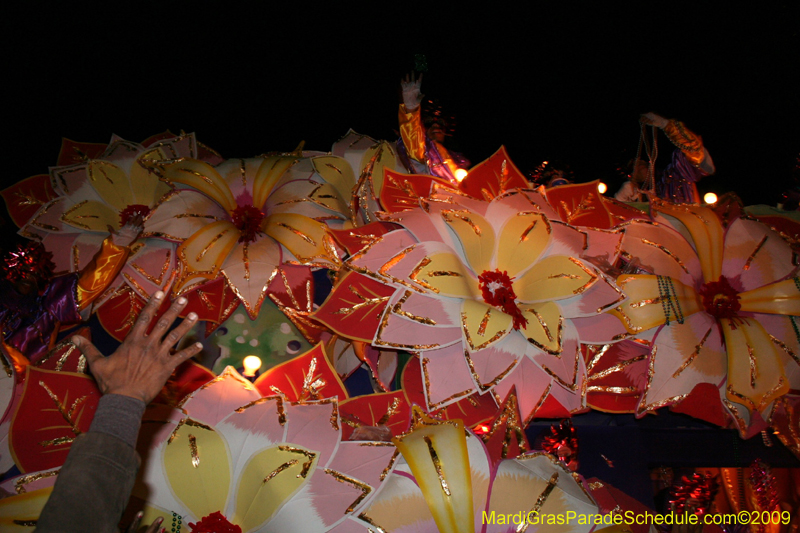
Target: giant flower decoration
[488, 299]
[245, 217]
[104, 192]
[446, 481]
[262, 464]
[725, 301]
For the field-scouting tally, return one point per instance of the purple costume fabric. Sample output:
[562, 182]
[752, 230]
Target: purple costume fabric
[436, 165]
[676, 183]
[29, 321]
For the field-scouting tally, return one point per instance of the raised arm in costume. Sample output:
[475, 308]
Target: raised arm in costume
[690, 162]
[420, 146]
[35, 305]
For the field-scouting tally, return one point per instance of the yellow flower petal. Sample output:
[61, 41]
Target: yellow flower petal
[644, 308]
[706, 231]
[205, 251]
[522, 241]
[338, 172]
[202, 177]
[553, 278]
[147, 188]
[483, 324]
[544, 326]
[92, 216]
[270, 478]
[476, 236]
[306, 238]
[781, 298]
[197, 465]
[437, 454]
[755, 370]
[269, 173]
[111, 183]
[445, 274]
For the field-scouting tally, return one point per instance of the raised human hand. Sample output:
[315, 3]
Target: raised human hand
[129, 232]
[412, 93]
[656, 120]
[141, 365]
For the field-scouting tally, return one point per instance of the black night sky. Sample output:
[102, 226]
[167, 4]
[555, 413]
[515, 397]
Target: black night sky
[549, 80]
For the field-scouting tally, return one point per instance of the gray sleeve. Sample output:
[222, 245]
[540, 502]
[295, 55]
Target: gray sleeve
[119, 416]
[94, 485]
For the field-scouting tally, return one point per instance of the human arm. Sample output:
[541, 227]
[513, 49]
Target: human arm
[688, 142]
[410, 119]
[106, 264]
[94, 485]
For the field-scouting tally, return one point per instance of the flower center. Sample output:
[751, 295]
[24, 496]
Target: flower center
[720, 299]
[214, 523]
[498, 292]
[248, 220]
[131, 211]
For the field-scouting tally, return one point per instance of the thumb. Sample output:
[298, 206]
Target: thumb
[89, 350]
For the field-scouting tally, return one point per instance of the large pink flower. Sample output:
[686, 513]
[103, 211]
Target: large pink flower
[490, 299]
[104, 192]
[245, 217]
[263, 464]
[720, 308]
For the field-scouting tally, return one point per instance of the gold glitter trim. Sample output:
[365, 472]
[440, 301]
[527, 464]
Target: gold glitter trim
[363, 487]
[194, 452]
[426, 379]
[594, 485]
[392, 460]
[616, 368]
[279, 405]
[437, 465]
[560, 331]
[280, 469]
[461, 214]
[486, 386]
[205, 250]
[599, 352]
[753, 255]
[297, 232]
[390, 412]
[612, 390]
[538, 404]
[397, 309]
[67, 415]
[523, 526]
[666, 251]
[370, 521]
[19, 484]
[469, 339]
[307, 465]
[785, 348]
[363, 303]
[416, 271]
[693, 355]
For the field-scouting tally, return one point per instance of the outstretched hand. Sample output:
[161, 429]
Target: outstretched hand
[412, 93]
[140, 367]
[129, 232]
[656, 120]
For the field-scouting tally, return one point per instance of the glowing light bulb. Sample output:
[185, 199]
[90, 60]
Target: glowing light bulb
[710, 198]
[251, 365]
[601, 188]
[461, 173]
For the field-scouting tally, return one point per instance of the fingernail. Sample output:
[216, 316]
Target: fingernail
[75, 340]
[198, 345]
[139, 515]
[158, 295]
[159, 520]
[181, 300]
[192, 316]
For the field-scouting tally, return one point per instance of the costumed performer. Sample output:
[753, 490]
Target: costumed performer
[35, 304]
[690, 162]
[422, 134]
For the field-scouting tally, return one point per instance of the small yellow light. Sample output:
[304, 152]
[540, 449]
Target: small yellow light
[710, 198]
[251, 364]
[461, 173]
[601, 188]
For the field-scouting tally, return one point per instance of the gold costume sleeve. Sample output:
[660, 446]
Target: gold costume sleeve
[687, 141]
[99, 273]
[412, 132]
